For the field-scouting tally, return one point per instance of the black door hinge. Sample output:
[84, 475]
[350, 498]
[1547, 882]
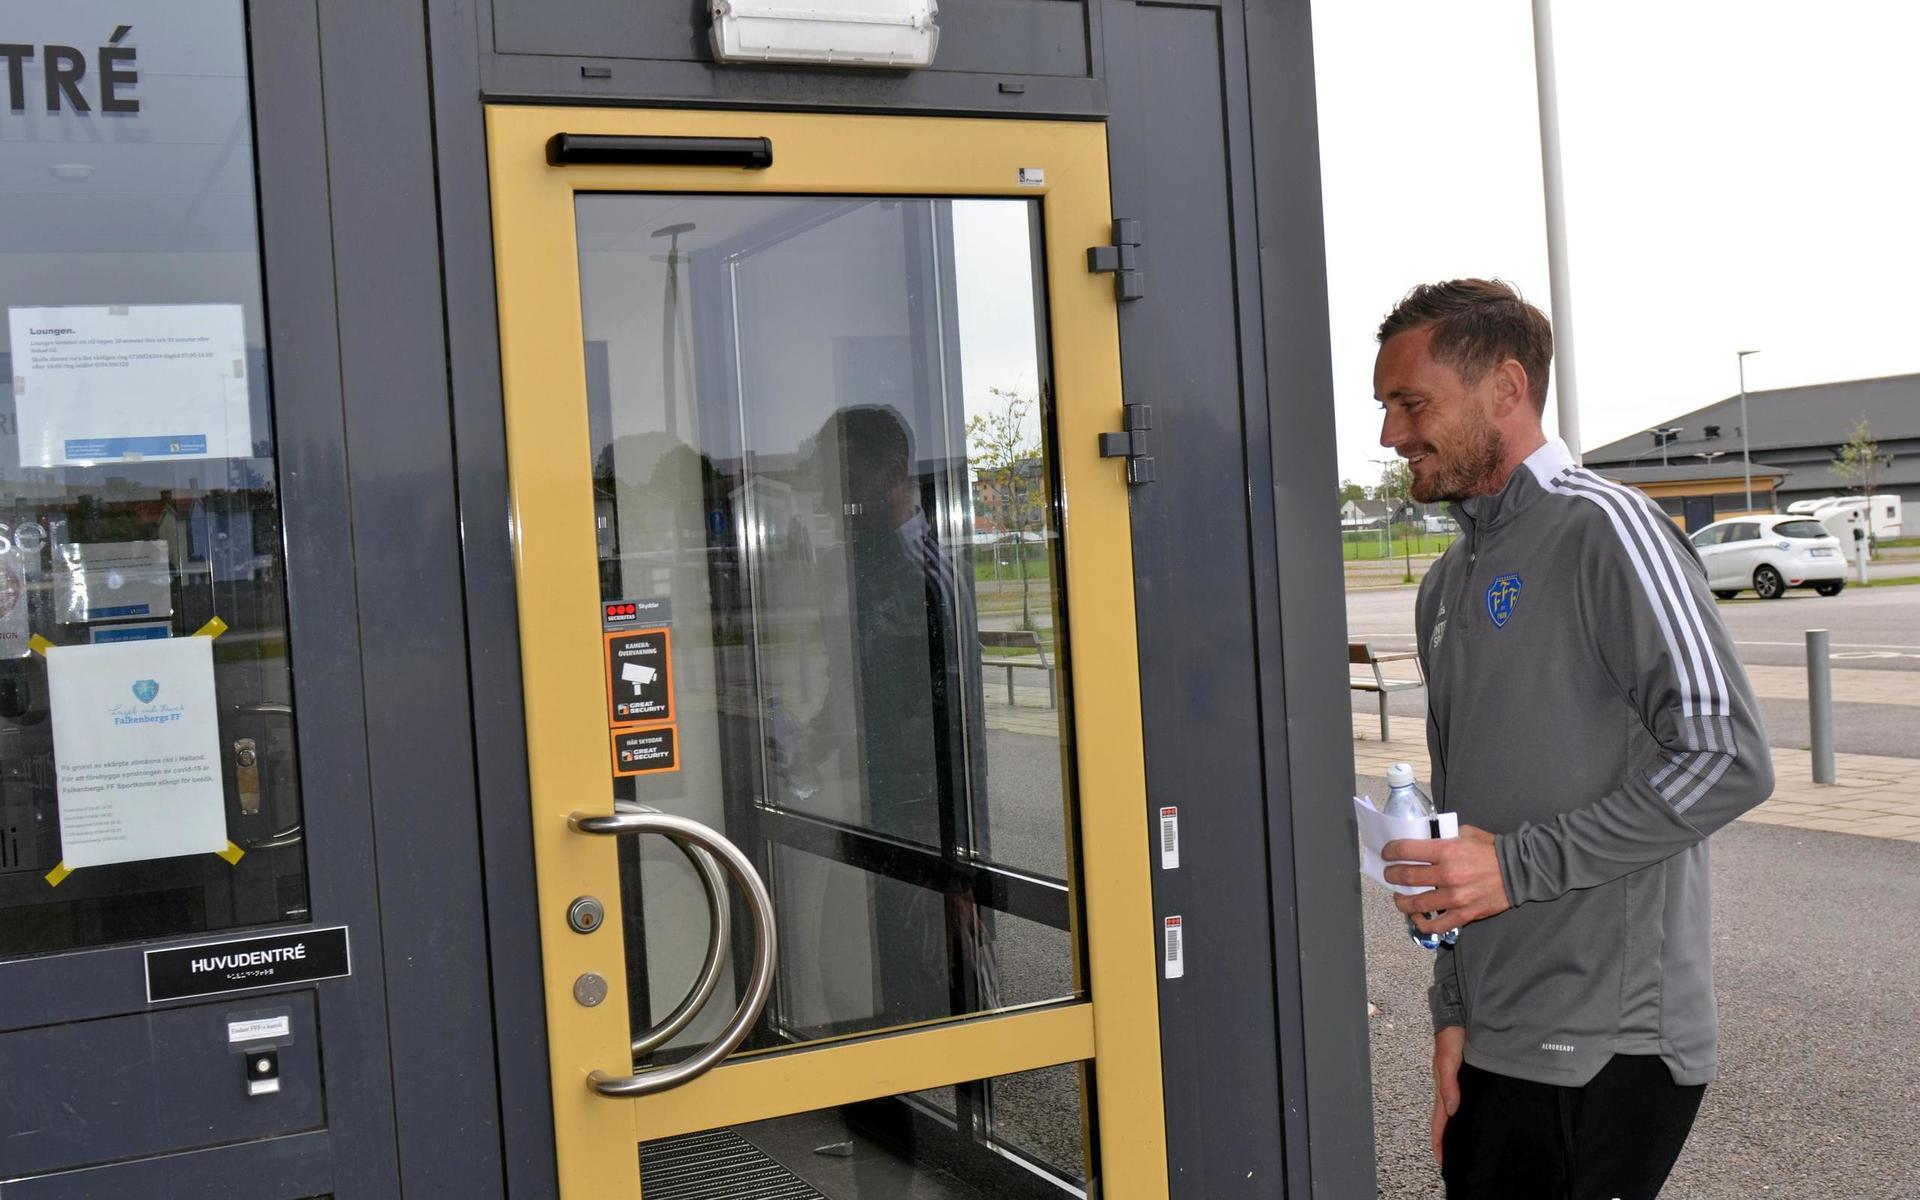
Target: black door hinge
[1132, 444]
[1122, 259]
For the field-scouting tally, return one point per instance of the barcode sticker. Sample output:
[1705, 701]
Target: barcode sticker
[1176, 959]
[1169, 838]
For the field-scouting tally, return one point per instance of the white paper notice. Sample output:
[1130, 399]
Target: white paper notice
[108, 581]
[259, 1029]
[1377, 829]
[125, 383]
[136, 747]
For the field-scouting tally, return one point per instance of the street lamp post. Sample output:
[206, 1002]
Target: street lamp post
[1746, 438]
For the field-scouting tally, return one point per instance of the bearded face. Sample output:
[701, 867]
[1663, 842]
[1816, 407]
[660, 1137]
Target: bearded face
[1457, 459]
[1437, 421]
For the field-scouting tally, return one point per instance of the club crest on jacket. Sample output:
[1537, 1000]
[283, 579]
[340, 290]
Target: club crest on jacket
[1501, 594]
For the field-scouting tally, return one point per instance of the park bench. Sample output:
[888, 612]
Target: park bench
[1361, 654]
[1019, 639]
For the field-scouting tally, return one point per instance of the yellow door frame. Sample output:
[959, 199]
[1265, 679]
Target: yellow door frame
[552, 519]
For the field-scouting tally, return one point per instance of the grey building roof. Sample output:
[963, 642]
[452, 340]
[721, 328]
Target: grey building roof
[1904, 472]
[1819, 416]
[1688, 472]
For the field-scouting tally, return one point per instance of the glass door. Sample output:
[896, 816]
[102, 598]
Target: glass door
[796, 415]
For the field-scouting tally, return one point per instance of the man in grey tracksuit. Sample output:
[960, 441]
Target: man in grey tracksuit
[1591, 725]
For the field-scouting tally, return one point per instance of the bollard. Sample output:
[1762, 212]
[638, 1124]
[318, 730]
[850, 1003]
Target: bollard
[1820, 704]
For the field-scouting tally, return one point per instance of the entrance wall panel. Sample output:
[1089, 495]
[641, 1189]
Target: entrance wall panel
[405, 518]
[1193, 536]
[174, 1085]
[1008, 37]
[1316, 838]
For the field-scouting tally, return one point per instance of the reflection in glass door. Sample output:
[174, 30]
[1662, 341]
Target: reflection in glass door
[791, 445]
[828, 559]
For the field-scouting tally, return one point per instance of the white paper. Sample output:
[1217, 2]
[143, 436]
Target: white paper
[136, 747]
[1377, 829]
[259, 1028]
[126, 383]
[1175, 958]
[108, 581]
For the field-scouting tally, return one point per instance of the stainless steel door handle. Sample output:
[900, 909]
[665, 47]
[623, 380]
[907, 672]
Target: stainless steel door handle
[691, 836]
[713, 881]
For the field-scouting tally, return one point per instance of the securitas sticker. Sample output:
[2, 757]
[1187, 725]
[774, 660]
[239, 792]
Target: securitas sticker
[1501, 594]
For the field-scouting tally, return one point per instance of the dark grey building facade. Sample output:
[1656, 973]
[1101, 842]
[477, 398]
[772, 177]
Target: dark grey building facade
[324, 933]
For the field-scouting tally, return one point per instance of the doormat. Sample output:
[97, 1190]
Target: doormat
[716, 1165]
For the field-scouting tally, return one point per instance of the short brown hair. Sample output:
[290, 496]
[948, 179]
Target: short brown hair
[1478, 324]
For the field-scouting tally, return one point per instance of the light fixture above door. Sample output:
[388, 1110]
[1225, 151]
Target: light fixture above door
[842, 33]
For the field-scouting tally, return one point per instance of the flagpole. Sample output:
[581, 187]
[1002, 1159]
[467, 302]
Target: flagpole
[1561, 289]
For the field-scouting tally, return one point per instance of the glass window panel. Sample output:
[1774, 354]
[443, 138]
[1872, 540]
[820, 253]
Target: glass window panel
[1017, 1137]
[138, 492]
[819, 436]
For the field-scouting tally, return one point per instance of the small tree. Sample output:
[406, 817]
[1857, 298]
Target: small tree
[1859, 461]
[1351, 492]
[1396, 481]
[1396, 488]
[1004, 451]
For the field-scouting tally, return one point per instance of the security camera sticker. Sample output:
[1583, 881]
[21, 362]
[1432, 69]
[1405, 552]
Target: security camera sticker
[639, 677]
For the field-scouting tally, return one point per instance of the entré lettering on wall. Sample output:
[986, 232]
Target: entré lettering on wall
[64, 68]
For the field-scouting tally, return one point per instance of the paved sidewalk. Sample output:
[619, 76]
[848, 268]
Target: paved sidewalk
[1872, 796]
[1850, 686]
[1030, 712]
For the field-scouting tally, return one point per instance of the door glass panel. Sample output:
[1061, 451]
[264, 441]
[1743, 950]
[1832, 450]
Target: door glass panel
[1017, 1137]
[819, 433]
[138, 493]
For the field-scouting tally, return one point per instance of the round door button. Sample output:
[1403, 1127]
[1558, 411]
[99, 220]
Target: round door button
[590, 990]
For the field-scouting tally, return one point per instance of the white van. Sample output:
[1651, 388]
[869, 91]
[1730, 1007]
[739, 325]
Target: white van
[1882, 512]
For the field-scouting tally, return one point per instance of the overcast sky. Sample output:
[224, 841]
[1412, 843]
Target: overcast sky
[1738, 176]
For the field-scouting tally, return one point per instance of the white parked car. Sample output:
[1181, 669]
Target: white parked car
[1770, 554]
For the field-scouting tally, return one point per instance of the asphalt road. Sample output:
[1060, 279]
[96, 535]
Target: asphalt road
[1380, 572]
[1876, 629]
[1817, 970]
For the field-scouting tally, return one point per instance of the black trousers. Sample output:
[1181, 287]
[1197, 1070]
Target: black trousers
[1614, 1139]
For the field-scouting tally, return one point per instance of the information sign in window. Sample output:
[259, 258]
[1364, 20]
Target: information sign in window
[148, 778]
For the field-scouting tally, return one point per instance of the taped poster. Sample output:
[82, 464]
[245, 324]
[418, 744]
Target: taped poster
[136, 747]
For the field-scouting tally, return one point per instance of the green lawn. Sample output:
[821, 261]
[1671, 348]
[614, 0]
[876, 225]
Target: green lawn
[1368, 544]
[1033, 562]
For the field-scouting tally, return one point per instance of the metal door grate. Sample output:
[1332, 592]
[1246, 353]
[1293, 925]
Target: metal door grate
[716, 1165]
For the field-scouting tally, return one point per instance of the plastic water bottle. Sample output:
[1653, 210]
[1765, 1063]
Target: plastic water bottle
[1405, 798]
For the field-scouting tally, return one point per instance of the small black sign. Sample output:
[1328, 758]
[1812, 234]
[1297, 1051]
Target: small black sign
[645, 751]
[639, 677]
[241, 966]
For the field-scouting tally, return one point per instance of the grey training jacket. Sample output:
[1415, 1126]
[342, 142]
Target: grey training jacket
[1586, 707]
